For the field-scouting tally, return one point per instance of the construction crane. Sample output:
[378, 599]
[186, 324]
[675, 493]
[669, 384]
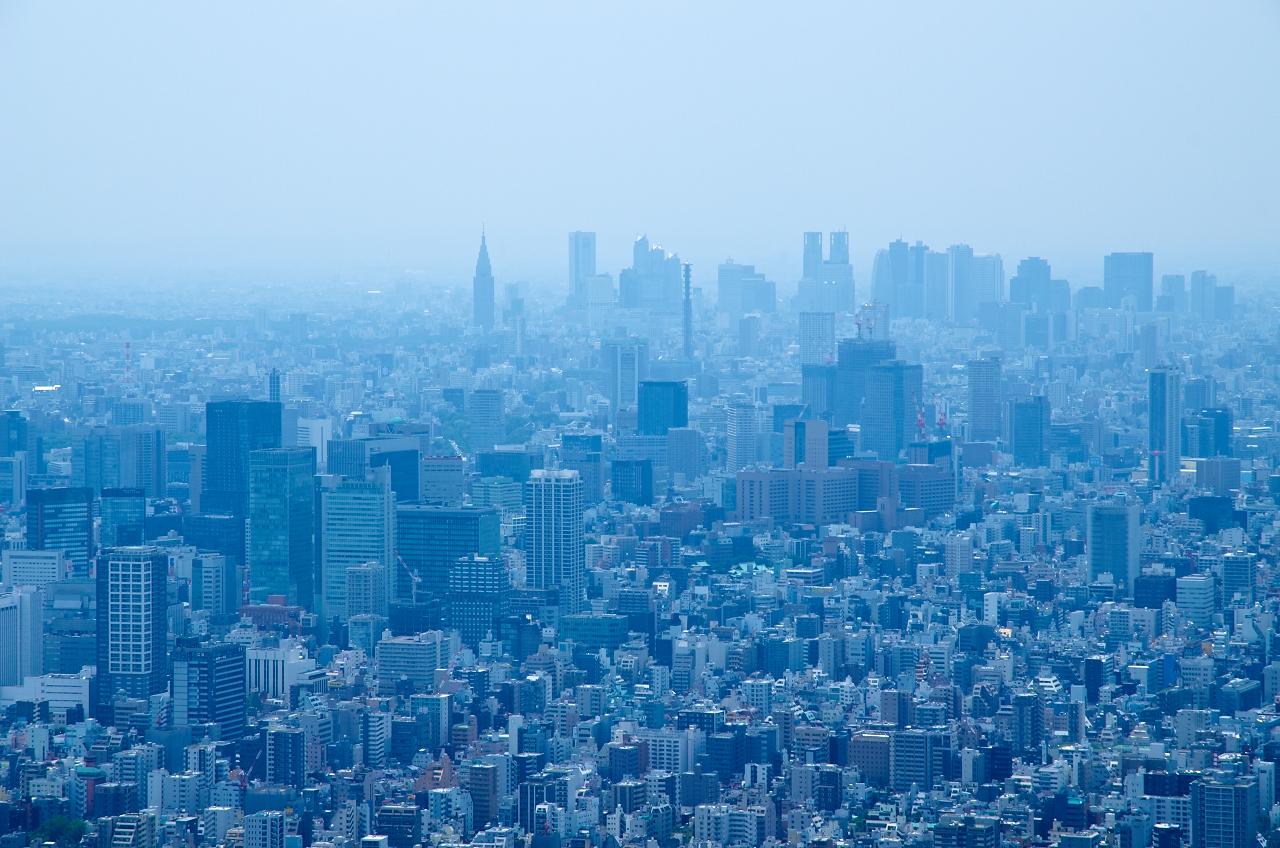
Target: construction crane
[920, 425]
[942, 414]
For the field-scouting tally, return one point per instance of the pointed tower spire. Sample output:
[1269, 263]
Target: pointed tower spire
[482, 288]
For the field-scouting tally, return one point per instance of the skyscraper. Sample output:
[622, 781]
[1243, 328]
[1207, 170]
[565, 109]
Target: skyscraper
[984, 399]
[123, 512]
[1127, 275]
[482, 289]
[740, 443]
[937, 298]
[554, 550]
[281, 525]
[357, 526]
[889, 416]
[120, 457]
[652, 281]
[133, 629]
[964, 303]
[856, 356]
[663, 404]
[368, 590]
[214, 587]
[479, 595]
[817, 338]
[1113, 542]
[209, 685]
[234, 429]
[264, 829]
[818, 387]
[1029, 430]
[430, 539]
[812, 256]
[1224, 810]
[488, 420]
[62, 520]
[633, 481]
[627, 361]
[582, 265]
[1164, 424]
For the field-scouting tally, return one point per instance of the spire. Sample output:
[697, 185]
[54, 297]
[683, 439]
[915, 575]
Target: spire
[483, 269]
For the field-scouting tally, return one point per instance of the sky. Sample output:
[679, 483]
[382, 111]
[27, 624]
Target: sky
[315, 135]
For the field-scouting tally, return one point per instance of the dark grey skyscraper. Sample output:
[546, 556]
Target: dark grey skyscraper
[855, 358]
[282, 524]
[482, 289]
[1125, 275]
[123, 511]
[209, 686]
[235, 428]
[1113, 542]
[429, 539]
[663, 404]
[1028, 430]
[62, 520]
[479, 595]
[889, 414]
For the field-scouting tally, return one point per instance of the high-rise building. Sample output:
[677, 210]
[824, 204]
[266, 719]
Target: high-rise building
[1203, 294]
[741, 290]
[209, 686]
[582, 265]
[584, 453]
[663, 404]
[14, 431]
[286, 756]
[964, 303]
[740, 444]
[357, 526]
[652, 281]
[889, 417]
[21, 631]
[686, 452]
[819, 385]
[1224, 810]
[1029, 420]
[937, 295]
[234, 429]
[429, 539]
[987, 279]
[1114, 541]
[984, 399]
[1128, 275]
[264, 829]
[856, 356]
[133, 629]
[1164, 425]
[123, 512]
[1239, 576]
[1173, 294]
[442, 480]
[555, 556]
[632, 481]
[482, 289]
[62, 520]
[488, 420]
[1195, 599]
[805, 443]
[214, 587]
[282, 525]
[132, 456]
[368, 590]
[479, 596]
[817, 338]
[400, 454]
[627, 361]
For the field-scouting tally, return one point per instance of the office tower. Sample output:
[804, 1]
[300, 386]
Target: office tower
[1164, 425]
[281, 525]
[1031, 284]
[812, 256]
[488, 421]
[652, 281]
[839, 272]
[1173, 294]
[1198, 393]
[740, 442]
[443, 480]
[966, 832]
[856, 356]
[984, 399]
[1203, 294]
[1029, 420]
[911, 296]
[429, 539]
[14, 432]
[133, 630]
[357, 526]
[582, 265]
[986, 281]
[32, 568]
[120, 457]
[368, 590]
[209, 686]
[264, 829]
[234, 429]
[62, 520]
[21, 631]
[627, 361]
[663, 404]
[127, 411]
[13, 480]
[1113, 542]
[214, 587]
[286, 756]
[748, 336]
[937, 298]
[805, 443]
[1239, 576]
[273, 385]
[686, 452]
[1128, 275]
[817, 338]
[687, 317]
[123, 511]
[482, 289]
[889, 416]
[1195, 599]
[1148, 351]
[355, 458]
[1224, 303]
[1224, 810]
[479, 596]
[818, 387]
[740, 289]
[584, 453]
[964, 302]
[633, 481]
[554, 548]
[1217, 426]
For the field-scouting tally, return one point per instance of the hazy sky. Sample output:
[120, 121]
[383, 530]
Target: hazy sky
[281, 134]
